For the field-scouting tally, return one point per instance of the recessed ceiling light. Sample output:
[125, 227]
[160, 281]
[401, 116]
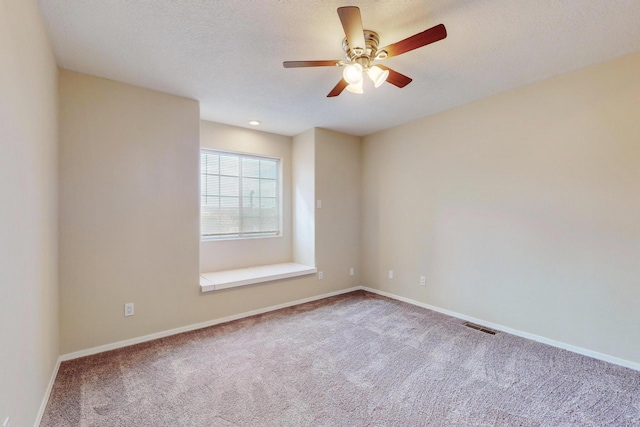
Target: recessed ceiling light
[254, 123]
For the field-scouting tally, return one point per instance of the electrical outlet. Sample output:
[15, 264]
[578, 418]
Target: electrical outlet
[6, 422]
[352, 271]
[390, 274]
[128, 309]
[423, 281]
[319, 204]
[320, 275]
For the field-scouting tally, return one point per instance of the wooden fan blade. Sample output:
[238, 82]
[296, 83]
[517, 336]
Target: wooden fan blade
[296, 64]
[352, 24]
[424, 38]
[337, 90]
[395, 78]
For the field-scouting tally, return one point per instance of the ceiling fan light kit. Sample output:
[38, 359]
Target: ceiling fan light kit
[377, 75]
[361, 49]
[352, 73]
[356, 87]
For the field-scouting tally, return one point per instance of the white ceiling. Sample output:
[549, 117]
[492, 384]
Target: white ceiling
[228, 54]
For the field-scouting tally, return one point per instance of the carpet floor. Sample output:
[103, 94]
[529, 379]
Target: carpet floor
[352, 360]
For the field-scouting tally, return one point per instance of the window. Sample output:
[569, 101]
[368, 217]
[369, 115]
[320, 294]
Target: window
[239, 195]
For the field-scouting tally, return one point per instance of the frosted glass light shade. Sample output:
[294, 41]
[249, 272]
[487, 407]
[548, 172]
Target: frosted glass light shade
[355, 87]
[377, 75]
[352, 73]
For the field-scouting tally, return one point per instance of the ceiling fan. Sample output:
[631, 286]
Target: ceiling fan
[361, 50]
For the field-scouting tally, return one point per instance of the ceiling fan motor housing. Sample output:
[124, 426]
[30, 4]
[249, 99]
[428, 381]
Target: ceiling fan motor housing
[366, 55]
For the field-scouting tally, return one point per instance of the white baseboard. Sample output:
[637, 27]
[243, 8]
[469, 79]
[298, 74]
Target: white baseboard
[45, 398]
[150, 337]
[538, 338]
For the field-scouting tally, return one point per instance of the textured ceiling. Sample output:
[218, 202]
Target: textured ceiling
[228, 54]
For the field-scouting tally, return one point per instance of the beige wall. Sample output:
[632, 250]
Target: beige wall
[337, 178]
[129, 217]
[129, 227]
[522, 209]
[28, 212]
[216, 255]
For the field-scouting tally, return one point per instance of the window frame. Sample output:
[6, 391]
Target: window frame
[240, 235]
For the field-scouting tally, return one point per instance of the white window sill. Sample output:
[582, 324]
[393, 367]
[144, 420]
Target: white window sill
[225, 239]
[252, 275]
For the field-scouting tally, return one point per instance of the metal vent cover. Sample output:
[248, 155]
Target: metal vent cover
[479, 328]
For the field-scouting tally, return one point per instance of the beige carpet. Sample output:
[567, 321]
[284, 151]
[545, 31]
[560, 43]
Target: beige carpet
[352, 360]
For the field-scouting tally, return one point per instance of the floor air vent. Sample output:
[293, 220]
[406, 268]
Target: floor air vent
[479, 328]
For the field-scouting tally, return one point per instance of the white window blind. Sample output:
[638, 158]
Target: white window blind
[239, 195]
